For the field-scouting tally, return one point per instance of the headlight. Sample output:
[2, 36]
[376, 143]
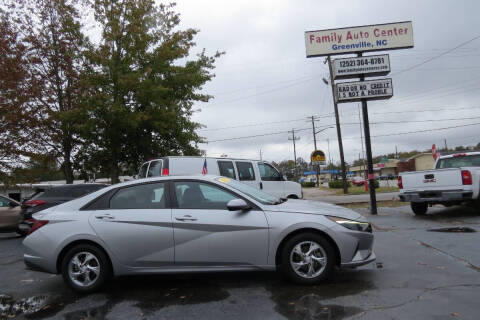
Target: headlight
[352, 224]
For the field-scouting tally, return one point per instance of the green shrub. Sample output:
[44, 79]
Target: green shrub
[337, 184]
[308, 184]
[376, 184]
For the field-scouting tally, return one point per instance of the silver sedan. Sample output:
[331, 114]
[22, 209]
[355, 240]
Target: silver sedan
[192, 224]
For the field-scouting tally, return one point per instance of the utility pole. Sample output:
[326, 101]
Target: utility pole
[260, 154]
[368, 147]
[361, 136]
[317, 169]
[294, 150]
[329, 154]
[339, 131]
[396, 153]
[446, 148]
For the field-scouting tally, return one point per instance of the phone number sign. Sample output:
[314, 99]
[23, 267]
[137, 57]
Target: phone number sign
[370, 90]
[378, 65]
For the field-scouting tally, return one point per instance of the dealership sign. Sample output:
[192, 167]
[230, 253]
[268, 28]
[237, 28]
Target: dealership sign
[318, 157]
[359, 39]
[370, 90]
[369, 66]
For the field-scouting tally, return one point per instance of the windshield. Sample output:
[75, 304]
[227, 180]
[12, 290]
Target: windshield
[459, 161]
[256, 194]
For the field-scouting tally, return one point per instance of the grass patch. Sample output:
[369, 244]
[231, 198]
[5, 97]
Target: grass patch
[390, 204]
[361, 190]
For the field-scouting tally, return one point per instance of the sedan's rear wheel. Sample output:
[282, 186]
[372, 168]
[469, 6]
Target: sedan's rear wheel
[307, 259]
[85, 268]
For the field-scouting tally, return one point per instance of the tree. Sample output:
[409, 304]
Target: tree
[142, 86]
[15, 91]
[53, 34]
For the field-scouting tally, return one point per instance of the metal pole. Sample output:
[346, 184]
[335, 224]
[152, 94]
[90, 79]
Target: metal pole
[294, 151]
[315, 144]
[339, 131]
[368, 147]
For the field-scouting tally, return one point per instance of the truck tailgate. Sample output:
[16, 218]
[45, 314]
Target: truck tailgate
[432, 179]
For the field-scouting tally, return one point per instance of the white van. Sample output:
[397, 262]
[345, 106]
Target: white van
[258, 174]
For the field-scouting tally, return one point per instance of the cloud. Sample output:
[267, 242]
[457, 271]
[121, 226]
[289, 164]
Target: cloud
[264, 76]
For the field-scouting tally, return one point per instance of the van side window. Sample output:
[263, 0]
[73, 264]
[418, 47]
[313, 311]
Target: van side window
[268, 173]
[245, 171]
[226, 169]
[155, 169]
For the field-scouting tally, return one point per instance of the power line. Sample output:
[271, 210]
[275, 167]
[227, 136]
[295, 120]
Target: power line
[257, 135]
[437, 56]
[263, 92]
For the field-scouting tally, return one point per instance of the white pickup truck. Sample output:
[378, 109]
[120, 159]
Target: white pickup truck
[454, 181]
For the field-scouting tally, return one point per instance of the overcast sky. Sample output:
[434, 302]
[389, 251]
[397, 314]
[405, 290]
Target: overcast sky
[264, 76]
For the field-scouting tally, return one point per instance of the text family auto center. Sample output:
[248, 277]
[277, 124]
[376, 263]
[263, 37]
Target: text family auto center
[369, 36]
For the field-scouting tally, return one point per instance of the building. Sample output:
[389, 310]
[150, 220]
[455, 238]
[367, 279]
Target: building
[421, 161]
[387, 168]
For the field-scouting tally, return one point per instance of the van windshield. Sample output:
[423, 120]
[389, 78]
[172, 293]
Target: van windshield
[459, 161]
[256, 194]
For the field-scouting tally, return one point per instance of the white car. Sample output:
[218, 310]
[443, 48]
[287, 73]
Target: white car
[256, 173]
[455, 180]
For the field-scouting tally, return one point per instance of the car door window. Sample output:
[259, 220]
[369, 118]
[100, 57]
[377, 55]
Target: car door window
[268, 173]
[155, 169]
[144, 196]
[3, 202]
[245, 171]
[226, 169]
[198, 195]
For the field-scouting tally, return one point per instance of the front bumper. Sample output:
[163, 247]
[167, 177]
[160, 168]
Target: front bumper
[436, 196]
[358, 260]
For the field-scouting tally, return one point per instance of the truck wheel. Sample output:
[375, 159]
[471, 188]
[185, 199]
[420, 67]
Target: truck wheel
[419, 208]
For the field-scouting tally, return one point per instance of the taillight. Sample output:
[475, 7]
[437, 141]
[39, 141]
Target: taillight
[165, 172]
[37, 225]
[466, 177]
[34, 203]
[400, 183]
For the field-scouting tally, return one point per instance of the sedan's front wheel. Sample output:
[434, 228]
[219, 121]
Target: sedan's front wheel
[307, 259]
[85, 268]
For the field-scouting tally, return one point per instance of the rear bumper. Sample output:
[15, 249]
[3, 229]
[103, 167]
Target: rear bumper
[436, 196]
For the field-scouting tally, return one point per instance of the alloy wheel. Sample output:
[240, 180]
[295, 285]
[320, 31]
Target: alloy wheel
[84, 269]
[308, 259]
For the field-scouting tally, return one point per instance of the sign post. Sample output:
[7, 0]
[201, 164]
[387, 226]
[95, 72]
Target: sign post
[358, 40]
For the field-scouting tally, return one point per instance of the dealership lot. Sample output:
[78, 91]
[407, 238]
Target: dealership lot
[418, 274]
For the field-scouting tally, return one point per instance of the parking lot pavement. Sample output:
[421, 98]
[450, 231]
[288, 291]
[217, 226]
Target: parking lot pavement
[326, 196]
[419, 274]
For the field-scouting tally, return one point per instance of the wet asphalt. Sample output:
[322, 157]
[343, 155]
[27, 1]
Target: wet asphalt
[419, 274]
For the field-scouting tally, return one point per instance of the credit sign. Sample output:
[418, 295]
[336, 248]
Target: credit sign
[370, 90]
[378, 65]
[359, 39]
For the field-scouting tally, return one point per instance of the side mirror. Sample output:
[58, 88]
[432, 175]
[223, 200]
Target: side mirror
[238, 204]
[12, 204]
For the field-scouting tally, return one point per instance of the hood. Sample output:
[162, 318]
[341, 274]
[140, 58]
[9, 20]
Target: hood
[316, 207]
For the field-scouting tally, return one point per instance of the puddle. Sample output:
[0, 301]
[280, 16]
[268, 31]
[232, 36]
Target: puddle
[10, 308]
[307, 302]
[454, 230]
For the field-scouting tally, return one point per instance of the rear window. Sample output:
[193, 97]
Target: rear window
[68, 191]
[155, 169]
[143, 170]
[459, 161]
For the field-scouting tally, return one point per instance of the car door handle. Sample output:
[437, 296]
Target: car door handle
[104, 217]
[186, 218]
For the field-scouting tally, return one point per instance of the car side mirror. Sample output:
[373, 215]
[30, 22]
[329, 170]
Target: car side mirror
[12, 204]
[238, 204]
